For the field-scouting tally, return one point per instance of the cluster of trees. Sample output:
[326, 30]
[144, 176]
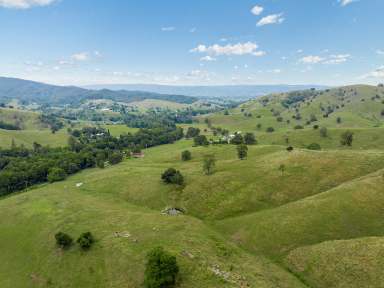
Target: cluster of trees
[153, 119]
[65, 241]
[54, 123]
[8, 126]
[21, 167]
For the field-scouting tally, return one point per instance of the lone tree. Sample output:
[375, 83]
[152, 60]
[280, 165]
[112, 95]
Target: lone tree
[242, 151]
[282, 169]
[161, 269]
[201, 140]
[172, 176]
[250, 139]
[63, 240]
[238, 139]
[86, 240]
[323, 132]
[192, 132]
[186, 155]
[209, 164]
[346, 138]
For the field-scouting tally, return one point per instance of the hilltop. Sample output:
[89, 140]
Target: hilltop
[34, 92]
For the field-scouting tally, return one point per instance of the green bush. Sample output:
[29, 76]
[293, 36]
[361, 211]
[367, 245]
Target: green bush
[86, 240]
[63, 240]
[186, 155]
[314, 146]
[172, 176]
[161, 269]
[56, 174]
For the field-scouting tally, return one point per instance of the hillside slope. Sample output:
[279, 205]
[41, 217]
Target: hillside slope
[359, 106]
[34, 92]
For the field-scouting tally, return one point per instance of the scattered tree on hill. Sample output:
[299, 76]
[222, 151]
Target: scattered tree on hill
[63, 240]
[209, 164]
[346, 138]
[56, 174]
[238, 139]
[172, 176]
[242, 151]
[186, 155]
[258, 126]
[314, 146]
[192, 132]
[201, 140]
[338, 120]
[86, 240]
[323, 132]
[115, 158]
[270, 129]
[298, 127]
[315, 127]
[249, 139]
[382, 112]
[289, 148]
[161, 269]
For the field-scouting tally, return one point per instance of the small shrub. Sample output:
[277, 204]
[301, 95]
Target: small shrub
[242, 151]
[172, 176]
[346, 138]
[297, 127]
[323, 132]
[315, 127]
[270, 129]
[314, 146]
[209, 164]
[63, 240]
[86, 240]
[186, 155]
[161, 269]
[289, 148]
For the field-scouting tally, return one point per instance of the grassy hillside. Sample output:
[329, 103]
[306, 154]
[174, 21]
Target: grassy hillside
[359, 263]
[349, 211]
[281, 216]
[358, 106]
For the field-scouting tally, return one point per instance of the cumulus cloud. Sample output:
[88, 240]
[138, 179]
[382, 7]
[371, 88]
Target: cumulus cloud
[24, 4]
[337, 59]
[208, 59]
[346, 2]
[311, 59]
[257, 10]
[331, 59]
[377, 73]
[248, 48]
[271, 19]
[380, 52]
[83, 56]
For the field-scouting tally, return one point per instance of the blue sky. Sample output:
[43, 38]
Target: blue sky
[188, 42]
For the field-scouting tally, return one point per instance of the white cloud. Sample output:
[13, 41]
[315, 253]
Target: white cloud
[168, 29]
[24, 4]
[275, 71]
[331, 59]
[300, 51]
[271, 19]
[83, 56]
[311, 59]
[193, 30]
[380, 52]
[346, 2]
[257, 10]
[337, 59]
[208, 59]
[377, 73]
[248, 48]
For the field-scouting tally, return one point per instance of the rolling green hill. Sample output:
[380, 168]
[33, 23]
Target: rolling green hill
[275, 214]
[318, 223]
[358, 106]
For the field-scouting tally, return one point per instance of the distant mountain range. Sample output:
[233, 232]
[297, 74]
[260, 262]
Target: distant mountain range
[233, 92]
[35, 92]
